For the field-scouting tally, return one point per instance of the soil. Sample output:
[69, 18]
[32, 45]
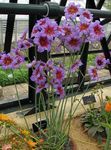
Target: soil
[80, 138]
[70, 145]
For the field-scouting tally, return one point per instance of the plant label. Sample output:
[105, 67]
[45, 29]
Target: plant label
[39, 125]
[89, 99]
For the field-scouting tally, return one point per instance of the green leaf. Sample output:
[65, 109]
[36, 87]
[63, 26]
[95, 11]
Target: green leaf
[92, 131]
[87, 125]
[100, 129]
[106, 125]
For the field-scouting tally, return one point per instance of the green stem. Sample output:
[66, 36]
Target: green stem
[107, 145]
[19, 99]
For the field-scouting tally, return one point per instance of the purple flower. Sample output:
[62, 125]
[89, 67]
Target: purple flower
[58, 74]
[96, 31]
[42, 22]
[41, 86]
[71, 11]
[18, 61]
[24, 34]
[73, 43]
[108, 61]
[53, 81]
[50, 30]
[60, 31]
[32, 64]
[43, 43]
[100, 62]
[85, 16]
[60, 90]
[24, 44]
[49, 65]
[1, 54]
[7, 61]
[83, 28]
[76, 65]
[38, 71]
[68, 30]
[35, 30]
[92, 71]
[40, 79]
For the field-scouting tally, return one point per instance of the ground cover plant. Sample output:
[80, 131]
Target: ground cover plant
[97, 121]
[49, 76]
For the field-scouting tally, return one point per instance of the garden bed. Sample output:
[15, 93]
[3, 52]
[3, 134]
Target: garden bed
[81, 139]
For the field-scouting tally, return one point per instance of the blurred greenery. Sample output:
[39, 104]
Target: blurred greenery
[6, 76]
[108, 4]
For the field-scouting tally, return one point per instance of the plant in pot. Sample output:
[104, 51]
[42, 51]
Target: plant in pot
[71, 36]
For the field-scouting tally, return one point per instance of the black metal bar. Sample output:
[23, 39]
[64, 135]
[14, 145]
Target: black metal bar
[105, 21]
[62, 3]
[84, 56]
[9, 30]
[26, 9]
[90, 4]
[12, 104]
[109, 39]
[68, 54]
[82, 69]
[32, 20]
[40, 56]
[105, 80]
[31, 91]
[106, 52]
[100, 4]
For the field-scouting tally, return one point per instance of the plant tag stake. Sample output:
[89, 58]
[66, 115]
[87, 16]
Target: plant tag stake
[40, 124]
[89, 99]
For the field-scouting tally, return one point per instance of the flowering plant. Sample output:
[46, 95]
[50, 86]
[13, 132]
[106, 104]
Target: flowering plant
[76, 29]
[107, 121]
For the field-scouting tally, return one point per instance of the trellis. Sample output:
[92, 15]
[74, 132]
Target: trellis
[36, 9]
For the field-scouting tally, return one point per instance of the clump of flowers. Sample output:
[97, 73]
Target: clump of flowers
[49, 76]
[108, 107]
[5, 118]
[101, 62]
[93, 73]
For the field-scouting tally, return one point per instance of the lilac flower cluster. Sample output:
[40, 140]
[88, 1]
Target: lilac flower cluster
[71, 33]
[76, 29]
[24, 43]
[100, 63]
[75, 66]
[12, 60]
[48, 74]
[84, 27]
[92, 71]
[44, 33]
